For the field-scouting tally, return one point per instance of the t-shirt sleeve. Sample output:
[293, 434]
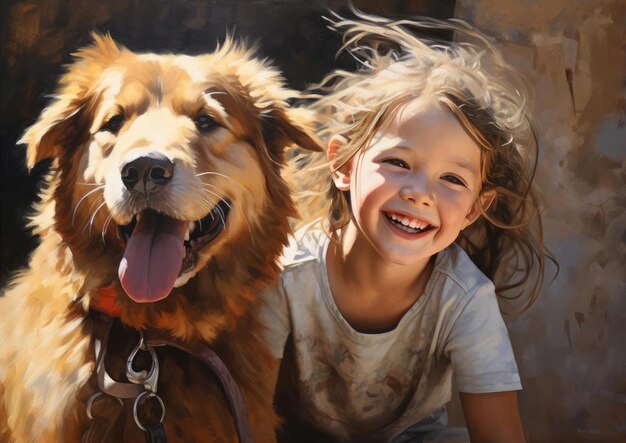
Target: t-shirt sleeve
[479, 347]
[274, 315]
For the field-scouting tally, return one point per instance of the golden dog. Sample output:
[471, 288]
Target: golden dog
[165, 207]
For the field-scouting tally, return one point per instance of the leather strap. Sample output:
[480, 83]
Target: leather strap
[229, 385]
[156, 433]
[104, 417]
[236, 402]
[101, 328]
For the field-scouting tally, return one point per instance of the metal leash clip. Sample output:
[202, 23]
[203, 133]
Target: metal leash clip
[148, 379]
[96, 397]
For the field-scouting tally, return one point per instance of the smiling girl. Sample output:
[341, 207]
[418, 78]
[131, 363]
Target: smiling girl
[424, 197]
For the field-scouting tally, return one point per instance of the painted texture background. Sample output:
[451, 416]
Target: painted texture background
[571, 345]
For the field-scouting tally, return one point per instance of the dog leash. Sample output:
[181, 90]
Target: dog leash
[207, 356]
[143, 384]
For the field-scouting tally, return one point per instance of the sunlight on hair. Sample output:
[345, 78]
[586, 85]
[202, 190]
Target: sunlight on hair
[489, 99]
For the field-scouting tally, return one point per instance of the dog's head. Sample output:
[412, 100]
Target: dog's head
[165, 162]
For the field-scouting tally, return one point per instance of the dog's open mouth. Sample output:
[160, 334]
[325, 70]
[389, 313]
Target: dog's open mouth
[160, 248]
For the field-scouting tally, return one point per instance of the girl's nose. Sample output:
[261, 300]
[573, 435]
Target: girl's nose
[418, 191]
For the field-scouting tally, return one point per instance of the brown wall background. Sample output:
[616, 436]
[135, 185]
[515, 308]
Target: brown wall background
[571, 345]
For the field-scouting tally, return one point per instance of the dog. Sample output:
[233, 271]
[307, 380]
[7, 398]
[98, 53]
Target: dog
[164, 210]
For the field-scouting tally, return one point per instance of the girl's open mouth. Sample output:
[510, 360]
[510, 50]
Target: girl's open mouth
[408, 224]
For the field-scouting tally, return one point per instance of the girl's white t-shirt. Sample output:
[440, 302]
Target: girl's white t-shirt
[353, 384]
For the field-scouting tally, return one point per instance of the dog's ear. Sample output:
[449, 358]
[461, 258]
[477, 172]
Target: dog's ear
[284, 126]
[54, 128]
[60, 125]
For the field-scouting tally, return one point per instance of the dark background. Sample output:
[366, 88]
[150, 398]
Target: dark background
[39, 36]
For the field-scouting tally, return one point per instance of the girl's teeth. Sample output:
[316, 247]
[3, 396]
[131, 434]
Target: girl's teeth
[408, 223]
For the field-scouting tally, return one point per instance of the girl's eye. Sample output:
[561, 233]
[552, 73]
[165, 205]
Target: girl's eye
[397, 162]
[454, 180]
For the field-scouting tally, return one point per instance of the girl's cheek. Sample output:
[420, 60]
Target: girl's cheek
[454, 194]
[374, 180]
[447, 199]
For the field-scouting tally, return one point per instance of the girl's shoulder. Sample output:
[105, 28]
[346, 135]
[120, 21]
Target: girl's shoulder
[460, 293]
[454, 264]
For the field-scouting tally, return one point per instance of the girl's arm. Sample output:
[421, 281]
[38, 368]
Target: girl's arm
[493, 417]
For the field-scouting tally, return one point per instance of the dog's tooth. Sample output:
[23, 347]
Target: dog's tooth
[187, 234]
[138, 216]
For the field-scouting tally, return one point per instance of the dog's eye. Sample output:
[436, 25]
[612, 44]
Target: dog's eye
[114, 124]
[205, 123]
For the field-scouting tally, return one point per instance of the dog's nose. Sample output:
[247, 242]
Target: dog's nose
[147, 174]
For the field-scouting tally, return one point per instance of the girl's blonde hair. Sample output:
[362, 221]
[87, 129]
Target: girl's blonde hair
[485, 94]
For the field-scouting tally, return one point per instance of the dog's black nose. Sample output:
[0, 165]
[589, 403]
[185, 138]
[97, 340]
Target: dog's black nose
[148, 173]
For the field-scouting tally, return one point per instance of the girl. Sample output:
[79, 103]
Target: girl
[424, 197]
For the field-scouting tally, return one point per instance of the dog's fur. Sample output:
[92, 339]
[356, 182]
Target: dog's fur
[46, 350]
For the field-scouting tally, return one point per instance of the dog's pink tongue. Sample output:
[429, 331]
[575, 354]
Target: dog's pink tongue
[153, 257]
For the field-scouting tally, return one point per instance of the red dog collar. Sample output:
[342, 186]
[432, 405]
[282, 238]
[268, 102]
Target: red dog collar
[106, 302]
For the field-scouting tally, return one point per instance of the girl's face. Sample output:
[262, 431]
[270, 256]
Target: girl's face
[416, 186]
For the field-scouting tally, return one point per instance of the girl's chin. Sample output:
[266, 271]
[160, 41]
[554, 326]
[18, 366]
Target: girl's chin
[402, 257]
